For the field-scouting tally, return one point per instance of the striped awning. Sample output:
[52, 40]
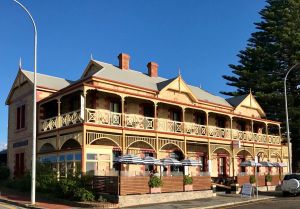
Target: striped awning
[250, 163]
[278, 164]
[129, 159]
[151, 161]
[190, 162]
[266, 164]
[170, 161]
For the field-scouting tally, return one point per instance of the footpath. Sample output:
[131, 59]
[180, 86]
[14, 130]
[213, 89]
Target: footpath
[221, 200]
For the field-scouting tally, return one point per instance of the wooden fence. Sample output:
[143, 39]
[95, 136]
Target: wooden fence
[261, 180]
[128, 185]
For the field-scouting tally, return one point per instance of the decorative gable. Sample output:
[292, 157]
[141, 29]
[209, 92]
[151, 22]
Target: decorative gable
[177, 90]
[91, 69]
[250, 107]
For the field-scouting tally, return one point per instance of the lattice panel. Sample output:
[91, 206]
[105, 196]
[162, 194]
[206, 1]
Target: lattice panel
[93, 136]
[76, 136]
[129, 140]
[162, 142]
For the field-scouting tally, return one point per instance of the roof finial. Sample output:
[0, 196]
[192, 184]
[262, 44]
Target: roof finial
[20, 63]
[179, 73]
[92, 56]
[200, 86]
[250, 91]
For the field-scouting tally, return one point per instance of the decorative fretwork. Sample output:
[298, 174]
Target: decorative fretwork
[217, 132]
[103, 117]
[41, 142]
[70, 118]
[242, 135]
[129, 140]
[261, 150]
[195, 129]
[274, 139]
[76, 136]
[169, 125]
[215, 147]
[48, 124]
[262, 138]
[236, 151]
[163, 142]
[276, 152]
[139, 122]
[93, 136]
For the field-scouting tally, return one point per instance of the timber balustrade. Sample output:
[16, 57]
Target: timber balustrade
[135, 121]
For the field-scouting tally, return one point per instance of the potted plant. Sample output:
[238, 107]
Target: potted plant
[188, 183]
[268, 180]
[252, 179]
[155, 184]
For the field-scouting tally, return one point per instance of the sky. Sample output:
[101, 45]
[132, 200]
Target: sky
[201, 37]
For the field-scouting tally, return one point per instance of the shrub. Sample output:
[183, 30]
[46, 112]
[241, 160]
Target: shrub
[155, 181]
[22, 183]
[4, 172]
[81, 194]
[252, 179]
[187, 180]
[268, 178]
[46, 180]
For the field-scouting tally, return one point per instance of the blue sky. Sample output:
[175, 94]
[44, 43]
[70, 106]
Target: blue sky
[199, 37]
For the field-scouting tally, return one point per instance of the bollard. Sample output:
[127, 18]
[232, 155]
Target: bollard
[214, 189]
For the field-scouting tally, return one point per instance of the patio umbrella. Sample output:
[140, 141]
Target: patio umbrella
[151, 161]
[130, 159]
[278, 164]
[190, 162]
[250, 163]
[170, 161]
[266, 164]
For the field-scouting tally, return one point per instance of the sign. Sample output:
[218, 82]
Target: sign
[186, 170]
[247, 190]
[236, 144]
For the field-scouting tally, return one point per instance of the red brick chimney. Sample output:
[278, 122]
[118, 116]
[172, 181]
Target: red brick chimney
[152, 69]
[124, 61]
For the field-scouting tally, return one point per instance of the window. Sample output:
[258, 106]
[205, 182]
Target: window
[114, 106]
[148, 111]
[202, 160]
[21, 117]
[242, 168]
[176, 116]
[221, 122]
[200, 119]
[222, 166]
[19, 164]
[148, 167]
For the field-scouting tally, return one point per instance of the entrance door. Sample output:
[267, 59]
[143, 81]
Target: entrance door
[222, 166]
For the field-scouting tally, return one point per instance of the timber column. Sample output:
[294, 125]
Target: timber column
[123, 124]
[83, 150]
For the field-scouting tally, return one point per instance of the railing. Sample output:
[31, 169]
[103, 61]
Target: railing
[135, 121]
[195, 129]
[217, 132]
[48, 124]
[63, 120]
[139, 122]
[103, 117]
[169, 125]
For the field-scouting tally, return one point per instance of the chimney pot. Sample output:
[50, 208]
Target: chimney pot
[124, 61]
[152, 69]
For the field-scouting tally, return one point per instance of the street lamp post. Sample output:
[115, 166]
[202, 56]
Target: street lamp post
[33, 172]
[287, 118]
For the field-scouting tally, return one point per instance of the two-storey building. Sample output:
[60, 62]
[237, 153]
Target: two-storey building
[112, 110]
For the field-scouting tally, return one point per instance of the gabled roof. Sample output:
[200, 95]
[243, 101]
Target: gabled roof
[43, 81]
[235, 101]
[47, 81]
[136, 78]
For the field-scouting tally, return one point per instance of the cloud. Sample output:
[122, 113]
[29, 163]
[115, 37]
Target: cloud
[3, 146]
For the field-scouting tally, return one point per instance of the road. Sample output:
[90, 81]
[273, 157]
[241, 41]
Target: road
[8, 206]
[277, 203]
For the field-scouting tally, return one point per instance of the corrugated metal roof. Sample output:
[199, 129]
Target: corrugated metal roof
[136, 78]
[47, 81]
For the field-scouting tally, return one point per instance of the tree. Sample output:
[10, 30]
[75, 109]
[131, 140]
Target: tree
[271, 50]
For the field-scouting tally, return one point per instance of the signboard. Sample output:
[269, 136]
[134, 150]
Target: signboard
[236, 144]
[247, 190]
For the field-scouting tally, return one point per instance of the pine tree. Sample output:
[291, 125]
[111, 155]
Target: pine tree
[271, 50]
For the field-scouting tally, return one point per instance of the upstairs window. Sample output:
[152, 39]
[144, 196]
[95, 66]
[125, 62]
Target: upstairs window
[21, 117]
[114, 106]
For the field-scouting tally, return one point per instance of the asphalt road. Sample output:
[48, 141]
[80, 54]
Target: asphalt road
[8, 206]
[277, 203]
